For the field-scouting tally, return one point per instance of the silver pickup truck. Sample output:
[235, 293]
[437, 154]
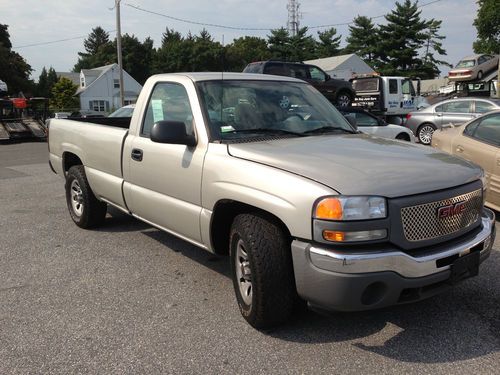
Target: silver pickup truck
[264, 169]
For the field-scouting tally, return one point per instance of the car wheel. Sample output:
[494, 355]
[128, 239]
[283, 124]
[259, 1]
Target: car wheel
[480, 74]
[262, 270]
[425, 133]
[343, 100]
[85, 209]
[403, 137]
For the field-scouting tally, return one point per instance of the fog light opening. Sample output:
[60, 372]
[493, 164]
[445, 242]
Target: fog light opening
[374, 293]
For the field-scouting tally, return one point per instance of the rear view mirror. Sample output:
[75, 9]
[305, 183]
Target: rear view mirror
[173, 132]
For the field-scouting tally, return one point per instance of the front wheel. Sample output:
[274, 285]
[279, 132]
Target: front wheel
[262, 271]
[425, 133]
[343, 100]
[85, 209]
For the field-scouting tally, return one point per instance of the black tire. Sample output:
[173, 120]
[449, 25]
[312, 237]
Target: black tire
[343, 99]
[423, 133]
[272, 285]
[403, 137]
[84, 208]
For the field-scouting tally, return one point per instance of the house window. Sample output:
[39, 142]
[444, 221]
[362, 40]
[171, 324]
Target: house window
[116, 83]
[82, 81]
[98, 105]
[127, 102]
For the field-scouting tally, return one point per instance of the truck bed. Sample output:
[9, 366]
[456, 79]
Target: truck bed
[118, 122]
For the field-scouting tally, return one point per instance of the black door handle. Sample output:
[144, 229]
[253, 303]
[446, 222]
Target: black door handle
[137, 154]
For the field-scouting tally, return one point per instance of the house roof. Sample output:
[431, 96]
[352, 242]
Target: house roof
[73, 77]
[95, 72]
[330, 63]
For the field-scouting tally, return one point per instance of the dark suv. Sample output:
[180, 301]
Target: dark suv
[339, 92]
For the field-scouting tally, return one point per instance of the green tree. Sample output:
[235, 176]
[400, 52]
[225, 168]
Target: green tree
[487, 24]
[63, 96]
[401, 39]
[279, 44]
[303, 46]
[171, 56]
[14, 70]
[430, 64]
[42, 86]
[137, 57]
[328, 44]
[99, 51]
[245, 50]
[363, 38]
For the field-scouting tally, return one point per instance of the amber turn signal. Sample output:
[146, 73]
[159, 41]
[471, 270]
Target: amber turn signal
[329, 209]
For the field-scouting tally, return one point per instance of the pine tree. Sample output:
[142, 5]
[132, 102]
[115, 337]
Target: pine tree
[329, 43]
[363, 39]
[42, 86]
[430, 64]
[96, 39]
[401, 38]
[279, 44]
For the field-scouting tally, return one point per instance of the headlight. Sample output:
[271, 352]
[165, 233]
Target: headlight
[345, 208]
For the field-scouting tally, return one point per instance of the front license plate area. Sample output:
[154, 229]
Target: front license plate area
[465, 267]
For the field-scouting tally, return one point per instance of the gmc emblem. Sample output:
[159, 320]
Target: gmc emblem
[451, 210]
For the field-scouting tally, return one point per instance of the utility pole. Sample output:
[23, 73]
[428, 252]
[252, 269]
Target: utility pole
[293, 17]
[119, 51]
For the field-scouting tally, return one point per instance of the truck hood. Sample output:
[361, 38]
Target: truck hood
[359, 164]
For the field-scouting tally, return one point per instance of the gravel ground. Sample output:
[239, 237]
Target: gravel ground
[129, 299]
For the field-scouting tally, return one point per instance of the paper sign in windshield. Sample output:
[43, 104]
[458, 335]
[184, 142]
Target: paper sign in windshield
[157, 105]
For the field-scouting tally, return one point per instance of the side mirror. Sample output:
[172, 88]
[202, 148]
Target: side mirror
[328, 77]
[352, 120]
[173, 132]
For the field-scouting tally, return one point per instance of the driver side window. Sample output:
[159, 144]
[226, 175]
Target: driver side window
[168, 102]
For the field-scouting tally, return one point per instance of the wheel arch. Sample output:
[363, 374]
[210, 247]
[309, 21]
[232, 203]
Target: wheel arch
[223, 214]
[70, 159]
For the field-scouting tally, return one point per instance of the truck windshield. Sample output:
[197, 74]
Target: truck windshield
[365, 84]
[241, 109]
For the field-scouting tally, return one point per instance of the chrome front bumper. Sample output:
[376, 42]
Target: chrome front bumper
[342, 280]
[395, 260]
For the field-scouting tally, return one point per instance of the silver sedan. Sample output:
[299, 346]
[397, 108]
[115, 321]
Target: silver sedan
[423, 123]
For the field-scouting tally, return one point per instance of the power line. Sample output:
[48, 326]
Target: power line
[204, 24]
[195, 22]
[55, 41]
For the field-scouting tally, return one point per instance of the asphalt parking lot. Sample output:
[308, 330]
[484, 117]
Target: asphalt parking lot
[129, 299]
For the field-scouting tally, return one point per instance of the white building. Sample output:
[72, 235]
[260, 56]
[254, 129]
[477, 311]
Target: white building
[342, 67]
[99, 88]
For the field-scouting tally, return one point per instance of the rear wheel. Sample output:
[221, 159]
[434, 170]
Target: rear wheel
[425, 133]
[262, 270]
[85, 209]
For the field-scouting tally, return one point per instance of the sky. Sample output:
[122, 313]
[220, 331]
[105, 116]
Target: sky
[38, 22]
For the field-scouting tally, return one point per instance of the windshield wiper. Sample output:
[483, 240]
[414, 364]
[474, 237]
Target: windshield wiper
[329, 129]
[264, 130]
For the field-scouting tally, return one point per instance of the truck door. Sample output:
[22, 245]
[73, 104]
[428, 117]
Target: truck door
[163, 181]
[408, 96]
[393, 95]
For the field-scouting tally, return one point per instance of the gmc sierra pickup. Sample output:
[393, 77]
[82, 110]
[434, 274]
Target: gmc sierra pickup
[263, 168]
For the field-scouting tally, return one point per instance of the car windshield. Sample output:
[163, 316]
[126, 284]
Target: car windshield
[245, 109]
[466, 64]
[123, 112]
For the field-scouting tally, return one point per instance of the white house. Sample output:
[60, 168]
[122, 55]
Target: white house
[99, 88]
[343, 67]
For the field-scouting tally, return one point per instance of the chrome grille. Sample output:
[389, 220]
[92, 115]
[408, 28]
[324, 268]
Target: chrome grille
[421, 222]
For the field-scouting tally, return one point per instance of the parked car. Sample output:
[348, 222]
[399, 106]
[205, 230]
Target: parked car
[125, 111]
[473, 67]
[370, 124]
[86, 114]
[61, 114]
[337, 91]
[424, 122]
[479, 142]
[305, 207]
